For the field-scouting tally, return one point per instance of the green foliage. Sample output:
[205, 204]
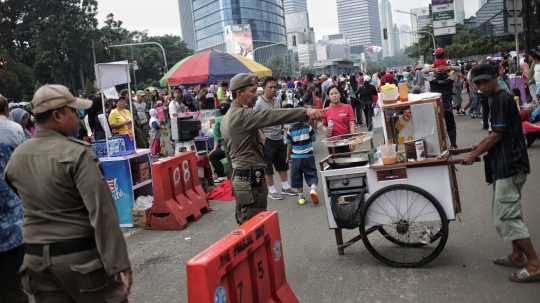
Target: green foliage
[37, 86]
[88, 87]
[306, 70]
[278, 66]
[53, 42]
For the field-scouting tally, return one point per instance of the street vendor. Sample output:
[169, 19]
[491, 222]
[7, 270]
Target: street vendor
[509, 162]
[120, 118]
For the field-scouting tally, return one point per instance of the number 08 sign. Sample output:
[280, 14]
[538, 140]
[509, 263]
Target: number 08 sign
[245, 266]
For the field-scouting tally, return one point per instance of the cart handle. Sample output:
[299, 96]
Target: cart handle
[460, 150]
[458, 161]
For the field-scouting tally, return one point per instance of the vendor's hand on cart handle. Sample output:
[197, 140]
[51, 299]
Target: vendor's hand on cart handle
[315, 113]
[467, 160]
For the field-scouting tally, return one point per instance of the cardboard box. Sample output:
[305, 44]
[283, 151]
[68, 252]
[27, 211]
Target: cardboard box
[139, 216]
[140, 171]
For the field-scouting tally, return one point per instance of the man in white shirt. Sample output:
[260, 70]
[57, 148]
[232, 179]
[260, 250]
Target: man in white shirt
[176, 107]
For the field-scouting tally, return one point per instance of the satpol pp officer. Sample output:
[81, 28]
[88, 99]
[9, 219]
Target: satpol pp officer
[243, 146]
[75, 250]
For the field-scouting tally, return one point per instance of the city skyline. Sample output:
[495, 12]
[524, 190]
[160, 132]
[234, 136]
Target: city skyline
[323, 15]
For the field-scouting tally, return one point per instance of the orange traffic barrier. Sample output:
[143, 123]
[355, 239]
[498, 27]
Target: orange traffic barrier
[245, 266]
[318, 103]
[178, 195]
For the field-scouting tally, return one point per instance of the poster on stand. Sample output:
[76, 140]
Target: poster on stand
[118, 176]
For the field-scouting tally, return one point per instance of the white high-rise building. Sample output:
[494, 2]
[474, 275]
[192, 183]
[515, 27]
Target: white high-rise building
[385, 14]
[294, 6]
[405, 36]
[459, 10]
[357, 19]
[300, 39]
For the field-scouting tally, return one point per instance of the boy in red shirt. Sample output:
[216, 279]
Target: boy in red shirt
[440, 61]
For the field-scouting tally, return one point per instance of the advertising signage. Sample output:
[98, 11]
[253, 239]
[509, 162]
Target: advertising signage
[443, 16]
[439, 2]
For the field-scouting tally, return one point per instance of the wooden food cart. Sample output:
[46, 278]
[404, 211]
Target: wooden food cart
[404, 220]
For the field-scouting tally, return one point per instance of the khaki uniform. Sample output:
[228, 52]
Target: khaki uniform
[243, 147]
[66, 198]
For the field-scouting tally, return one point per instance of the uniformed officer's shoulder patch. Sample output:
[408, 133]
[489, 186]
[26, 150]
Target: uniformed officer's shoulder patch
[79, 141]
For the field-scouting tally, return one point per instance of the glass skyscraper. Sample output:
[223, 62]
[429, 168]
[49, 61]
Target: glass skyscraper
[359, 21]
[294, 6]
[203, 23]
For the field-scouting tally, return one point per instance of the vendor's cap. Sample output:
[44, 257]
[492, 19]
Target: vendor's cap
[140, 93]
[439, 51]
[243, 80]
[53, 96]
[482, 71]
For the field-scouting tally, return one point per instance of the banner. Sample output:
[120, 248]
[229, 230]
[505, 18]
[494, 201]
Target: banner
[443, 16]
[243, 44]
[118, 174]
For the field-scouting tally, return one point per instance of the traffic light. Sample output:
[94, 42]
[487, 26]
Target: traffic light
[385, 33]
[2, 63]
[106, 49]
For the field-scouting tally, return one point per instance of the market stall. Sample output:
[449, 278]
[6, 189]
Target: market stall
[128, 170]
[402, 194]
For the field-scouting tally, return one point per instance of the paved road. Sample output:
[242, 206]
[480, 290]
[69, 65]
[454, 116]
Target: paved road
[462, 273]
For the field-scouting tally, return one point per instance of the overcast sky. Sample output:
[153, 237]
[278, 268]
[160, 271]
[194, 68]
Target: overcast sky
[161, 17]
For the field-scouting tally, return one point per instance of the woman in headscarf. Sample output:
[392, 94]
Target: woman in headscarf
[155, 133]
[21, 116]
[355, 102]
[93, 119]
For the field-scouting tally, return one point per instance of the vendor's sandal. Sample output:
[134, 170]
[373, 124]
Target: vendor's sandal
[524, 276]
[505, 261]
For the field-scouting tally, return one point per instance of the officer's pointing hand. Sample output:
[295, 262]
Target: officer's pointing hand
[315, 113]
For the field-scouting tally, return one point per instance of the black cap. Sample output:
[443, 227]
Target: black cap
[223, 108]
[482, 71]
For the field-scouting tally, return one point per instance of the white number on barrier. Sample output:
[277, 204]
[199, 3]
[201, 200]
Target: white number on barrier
[176, 176]
[185, 167]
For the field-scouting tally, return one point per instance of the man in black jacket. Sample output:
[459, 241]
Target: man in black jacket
[366, 93]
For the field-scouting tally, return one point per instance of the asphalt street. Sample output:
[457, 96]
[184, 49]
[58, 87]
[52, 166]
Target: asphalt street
[463, 272]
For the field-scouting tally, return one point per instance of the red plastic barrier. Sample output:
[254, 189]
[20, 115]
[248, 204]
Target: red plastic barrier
[178, 195]
[245, 266]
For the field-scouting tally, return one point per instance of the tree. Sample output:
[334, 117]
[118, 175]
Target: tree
[306, 70]
[89, 87]
[277, 65]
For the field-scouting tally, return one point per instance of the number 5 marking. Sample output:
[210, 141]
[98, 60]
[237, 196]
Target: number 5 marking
[260, 269]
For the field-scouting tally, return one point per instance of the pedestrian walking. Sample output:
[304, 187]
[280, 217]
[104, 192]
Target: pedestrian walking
[141, 111]
[243, 147]
[367, 94]
[155, 133]
[509, 163]
[275, 150]
[299, 139]
[75, 250]
[355, 101]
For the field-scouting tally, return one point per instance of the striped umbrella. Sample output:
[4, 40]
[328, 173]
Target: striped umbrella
[210, 67]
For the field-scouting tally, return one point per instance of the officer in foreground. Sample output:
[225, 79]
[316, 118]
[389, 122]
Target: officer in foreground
[75, 250]
[244, 148]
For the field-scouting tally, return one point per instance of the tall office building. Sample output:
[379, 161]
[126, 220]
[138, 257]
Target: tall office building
[294, 6]
[203, 24]
[359, 21]
[482, 2]
[459, 9]
[300, 39]
[389, 46]
[395, 40]
[405, 37]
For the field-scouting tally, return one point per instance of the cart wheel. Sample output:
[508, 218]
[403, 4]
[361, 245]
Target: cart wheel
[411, 224]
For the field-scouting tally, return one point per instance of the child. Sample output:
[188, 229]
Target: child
[517, 96]
[441, 61]
[299, 141]
[155, 133]
[160, 112]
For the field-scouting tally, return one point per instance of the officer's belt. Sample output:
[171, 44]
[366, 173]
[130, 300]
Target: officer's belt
[62, 248]
[246, 173]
